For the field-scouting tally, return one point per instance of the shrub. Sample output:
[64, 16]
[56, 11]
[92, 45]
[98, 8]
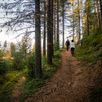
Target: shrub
[3, 67]
[91, 49]
[19, 61]
[31, 65]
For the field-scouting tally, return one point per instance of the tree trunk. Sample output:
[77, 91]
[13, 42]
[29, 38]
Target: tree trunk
[52, 27]
[87, 14]
[79, 18]
[49, 31]
[44, 36]
[98, 14]
[63, 22]
[58, 24]
[38, 67]
[73, 20]
[101, 8]
[101, 12]
[73, 27]
[54, 23]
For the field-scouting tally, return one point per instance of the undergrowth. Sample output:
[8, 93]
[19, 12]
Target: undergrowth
[8, 83]
[90, 49]
[90, 52]
[32, 85]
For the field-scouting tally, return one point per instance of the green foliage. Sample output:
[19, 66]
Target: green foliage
[3, 67]
[31, 65]
[7, 86]
[56, 46]
[31, 86]
[19, 61]
[57, 54]
[91, 49]
[1, 53]
[49, 70]
[5, 94]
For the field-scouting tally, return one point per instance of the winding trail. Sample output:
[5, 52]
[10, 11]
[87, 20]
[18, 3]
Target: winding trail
[67, 85]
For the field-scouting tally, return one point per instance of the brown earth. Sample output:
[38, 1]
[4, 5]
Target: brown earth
[73, 82]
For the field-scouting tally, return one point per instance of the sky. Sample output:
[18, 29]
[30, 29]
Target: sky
[10, 36]
[6, 34]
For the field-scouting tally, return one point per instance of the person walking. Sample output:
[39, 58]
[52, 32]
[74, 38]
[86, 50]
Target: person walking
[67, 44]
[72, 47]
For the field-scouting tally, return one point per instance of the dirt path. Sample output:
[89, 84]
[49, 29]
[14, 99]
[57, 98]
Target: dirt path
[68, 84]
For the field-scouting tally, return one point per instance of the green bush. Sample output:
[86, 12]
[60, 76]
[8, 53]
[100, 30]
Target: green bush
[57, 54]
[3, 67]
[19, 61]
[31, 65]
[31, 86]
[91, 49]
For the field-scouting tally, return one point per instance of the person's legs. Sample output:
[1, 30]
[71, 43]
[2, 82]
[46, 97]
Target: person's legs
[72, 51]
[67, 48]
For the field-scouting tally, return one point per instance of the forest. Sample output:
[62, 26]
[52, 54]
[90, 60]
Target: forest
[34, 63]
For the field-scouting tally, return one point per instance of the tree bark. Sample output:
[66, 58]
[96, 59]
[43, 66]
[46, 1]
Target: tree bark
[63, 22]
[49, 31]
[101, 8]
[87, 16]
[98, 14]
[38, 67]
[44, 36]
[58, 24]
[79, 19]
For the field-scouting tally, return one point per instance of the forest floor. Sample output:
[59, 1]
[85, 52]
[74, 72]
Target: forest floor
[73, 82]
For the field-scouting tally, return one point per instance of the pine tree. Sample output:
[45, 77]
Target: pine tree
[38, 66]
[49, 31]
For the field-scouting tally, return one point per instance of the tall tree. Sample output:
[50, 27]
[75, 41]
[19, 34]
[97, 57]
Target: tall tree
[101, 7]
[73, 20]
[44, 36]
[101, 12]
[79, 20]
[12, 48]
[63, 21]
[58, 24]
[88, 16]
[38, 66]
[49, 31]
[98, 13]
[25, 45]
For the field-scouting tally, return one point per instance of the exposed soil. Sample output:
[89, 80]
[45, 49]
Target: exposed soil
[73, 82]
